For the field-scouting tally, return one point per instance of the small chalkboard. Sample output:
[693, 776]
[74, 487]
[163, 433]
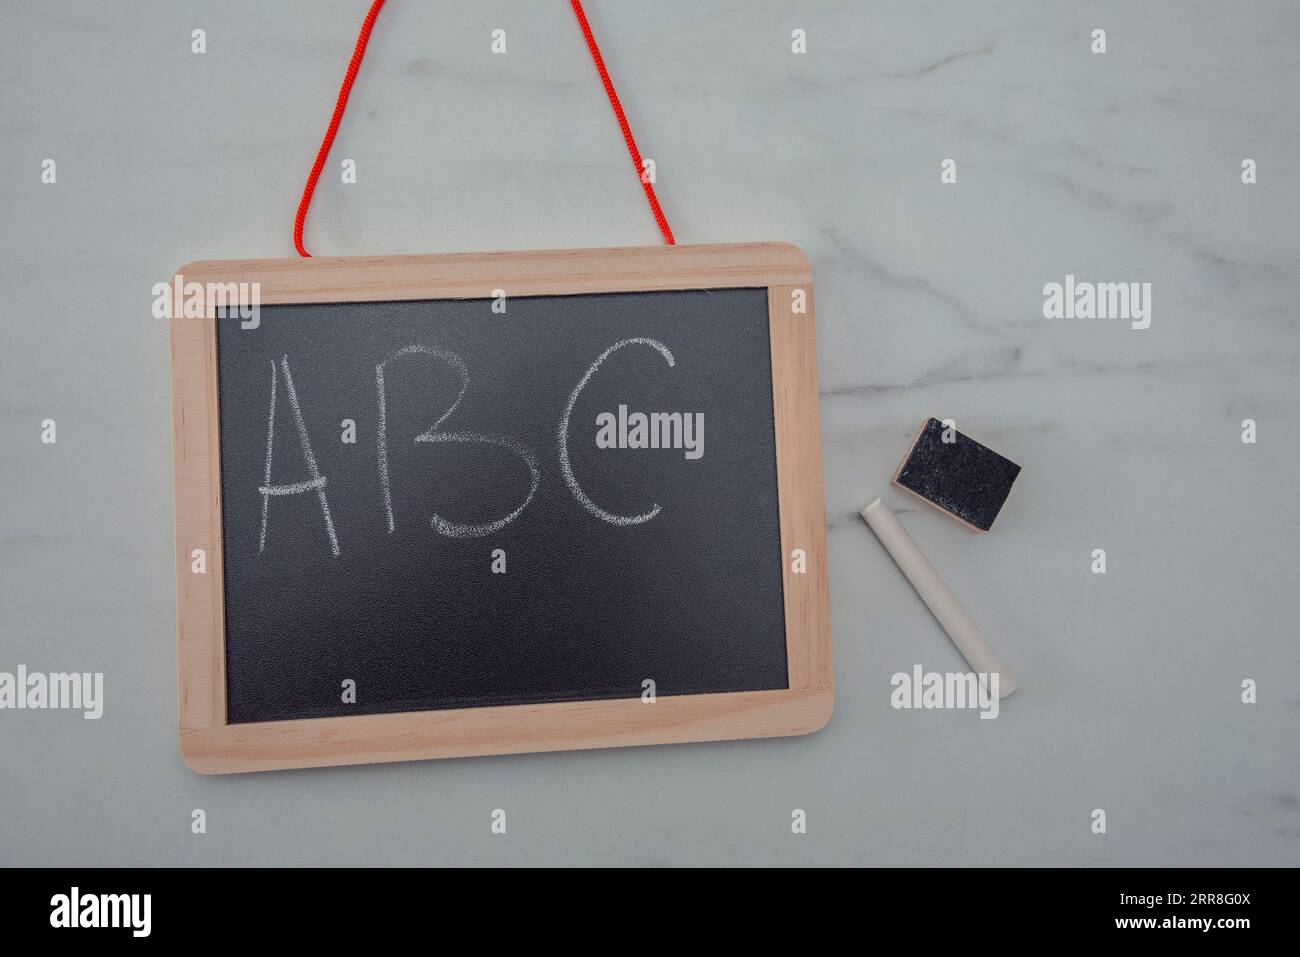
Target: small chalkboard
[432, 506]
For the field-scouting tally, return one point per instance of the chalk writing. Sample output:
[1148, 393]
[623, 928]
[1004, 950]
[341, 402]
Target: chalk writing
[382, 441]
[442, 525]
[671, 430]
[566, 467]
[317, 481]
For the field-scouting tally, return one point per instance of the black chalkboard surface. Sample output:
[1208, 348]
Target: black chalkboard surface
[416, 448]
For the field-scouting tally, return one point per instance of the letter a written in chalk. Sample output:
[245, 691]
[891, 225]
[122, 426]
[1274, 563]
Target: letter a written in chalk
[315, 482]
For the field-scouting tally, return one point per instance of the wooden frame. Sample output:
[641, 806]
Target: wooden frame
[210, 745]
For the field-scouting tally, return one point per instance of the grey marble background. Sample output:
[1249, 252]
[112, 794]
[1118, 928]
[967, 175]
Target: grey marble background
[929, 301]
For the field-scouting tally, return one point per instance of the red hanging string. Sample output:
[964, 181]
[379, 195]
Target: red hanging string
[355, 63]
[622, 123]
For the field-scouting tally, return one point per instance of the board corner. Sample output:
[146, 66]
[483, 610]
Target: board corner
[196, 757]
[796, 260]
[820, 707]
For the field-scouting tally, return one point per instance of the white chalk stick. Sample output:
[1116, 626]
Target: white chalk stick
[961, 628]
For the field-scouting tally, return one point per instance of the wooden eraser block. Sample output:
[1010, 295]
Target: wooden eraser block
[959, 477]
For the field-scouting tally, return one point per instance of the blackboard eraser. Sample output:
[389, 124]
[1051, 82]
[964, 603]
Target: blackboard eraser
[957, 475]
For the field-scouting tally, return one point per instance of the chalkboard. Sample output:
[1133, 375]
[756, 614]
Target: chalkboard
[591, 594]
[430, 506]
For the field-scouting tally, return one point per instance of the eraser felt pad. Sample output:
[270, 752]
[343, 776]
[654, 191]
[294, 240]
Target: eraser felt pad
[962, 477]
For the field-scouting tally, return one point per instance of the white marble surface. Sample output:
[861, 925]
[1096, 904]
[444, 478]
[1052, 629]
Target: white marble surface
[929, 301]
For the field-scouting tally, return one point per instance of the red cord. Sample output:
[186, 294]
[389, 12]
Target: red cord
[355, 63]
[622, 122]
